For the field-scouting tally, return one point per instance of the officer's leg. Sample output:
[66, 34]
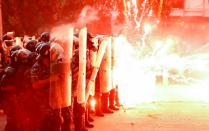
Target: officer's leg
[87, 113]
[57, 120]
[79, 116]
[89, 109]
[117, 100]
[112, 100]
[52, 121]
[98, 106]
[67, 116]
[105, 103]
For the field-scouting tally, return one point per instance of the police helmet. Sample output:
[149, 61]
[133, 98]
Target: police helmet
[45, 37]
[31, 45]
[15, 48]
[43, 51]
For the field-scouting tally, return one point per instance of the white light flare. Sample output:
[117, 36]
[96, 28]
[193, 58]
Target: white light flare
[137, 77]
[93, 104]
[135, 85]
[147, 28]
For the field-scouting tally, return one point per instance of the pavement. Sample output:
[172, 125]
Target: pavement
[172, 109]
[176, 108]
[158, 116]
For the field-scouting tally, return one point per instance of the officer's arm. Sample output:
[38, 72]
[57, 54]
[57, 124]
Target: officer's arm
[37, 83]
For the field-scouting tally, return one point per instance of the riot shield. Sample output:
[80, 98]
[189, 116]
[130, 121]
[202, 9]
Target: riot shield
[60, 89]
[105, 70]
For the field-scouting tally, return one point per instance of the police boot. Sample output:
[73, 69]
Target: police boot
[105, 107]
[117, 101]
[90, 119]
[79, 119]
[112, 100]
[98, 106]
[87, 123]
[56, 120]
[88, 106]
[67, 116]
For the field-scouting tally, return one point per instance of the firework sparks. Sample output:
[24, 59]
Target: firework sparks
[137, 76]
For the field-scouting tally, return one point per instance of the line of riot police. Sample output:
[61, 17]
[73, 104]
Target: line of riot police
[39, 84]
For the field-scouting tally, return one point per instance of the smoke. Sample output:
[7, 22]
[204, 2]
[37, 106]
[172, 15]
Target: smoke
[87, 15]
[61, 32]
[115, 27]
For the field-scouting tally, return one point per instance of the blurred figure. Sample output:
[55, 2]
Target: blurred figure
[112, 100]
[31, 46]
[40, 80]
[13, 91]
[9, 96]
[7, 43]
[98, 94]
[78, 110]
[91, 47]
[59, 89]
[117, 99]
[81, 119]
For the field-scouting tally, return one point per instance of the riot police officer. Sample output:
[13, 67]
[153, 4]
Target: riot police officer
[40, 80]
[13, 88]
[81, 120]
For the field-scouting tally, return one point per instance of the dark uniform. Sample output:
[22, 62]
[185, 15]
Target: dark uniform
[40, 76]
[9, 96]
[41, 95]
[98, 94]
[59, 90]
[4, 56]
[13, 86]
[31, 46]
[79, 109]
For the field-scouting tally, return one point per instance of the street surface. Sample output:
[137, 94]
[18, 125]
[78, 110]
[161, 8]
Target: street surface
[175, 109]
[171, 109]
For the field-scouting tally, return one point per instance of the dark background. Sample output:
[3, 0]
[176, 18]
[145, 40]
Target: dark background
[34, 16]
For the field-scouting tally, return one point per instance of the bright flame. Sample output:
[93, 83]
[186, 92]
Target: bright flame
[147, 28]
[93, 104]
[135, 84]
[170, 41]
